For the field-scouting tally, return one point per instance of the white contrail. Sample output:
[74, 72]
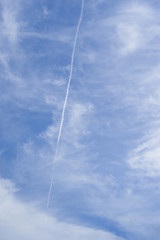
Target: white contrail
[65, 101]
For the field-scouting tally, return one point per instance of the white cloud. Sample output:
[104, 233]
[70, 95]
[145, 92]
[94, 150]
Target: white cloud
[129, 36]
[61, 36]
[23, 221]
[146, 156]
[45, 10]
[10, 26]
[30, 90]
[77, 118]
[136, 25]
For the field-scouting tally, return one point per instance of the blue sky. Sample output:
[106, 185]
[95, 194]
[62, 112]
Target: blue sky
[107, 171]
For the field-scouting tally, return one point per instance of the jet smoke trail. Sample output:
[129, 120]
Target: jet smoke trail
[65, 101]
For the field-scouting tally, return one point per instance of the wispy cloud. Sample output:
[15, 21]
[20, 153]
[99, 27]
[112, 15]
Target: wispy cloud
[145, 157]
[136, 27]
[10, 24]
[107, 170]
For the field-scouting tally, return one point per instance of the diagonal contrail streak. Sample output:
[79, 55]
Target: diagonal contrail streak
[65, 101]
